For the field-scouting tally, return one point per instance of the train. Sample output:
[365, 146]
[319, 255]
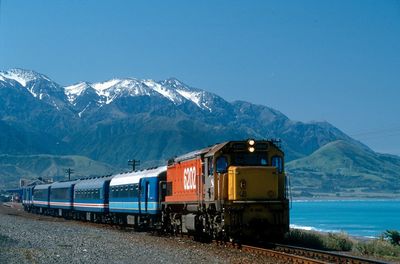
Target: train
[234, 190]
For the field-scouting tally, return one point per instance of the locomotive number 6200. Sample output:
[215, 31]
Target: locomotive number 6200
[189, 178]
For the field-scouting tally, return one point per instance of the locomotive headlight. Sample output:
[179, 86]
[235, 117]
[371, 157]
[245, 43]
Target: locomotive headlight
[251, 149]
[251, 142]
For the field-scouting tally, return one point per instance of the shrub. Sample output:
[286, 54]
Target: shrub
[377, 248]
[393, 236]
[302, 238]
[338, 242]
[316, 240]
[387, 246]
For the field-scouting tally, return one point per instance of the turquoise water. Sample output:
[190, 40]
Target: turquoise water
[368, 218]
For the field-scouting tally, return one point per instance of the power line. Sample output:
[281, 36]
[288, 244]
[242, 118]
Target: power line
[134, 163]
[1, 40]
[0, 11]
[381, 136]
[69, 171]
[395, 130]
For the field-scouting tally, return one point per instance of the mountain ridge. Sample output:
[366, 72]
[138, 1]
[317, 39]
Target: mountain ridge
[343, 168]
[14, 167]
[130, 98]
[125, 118]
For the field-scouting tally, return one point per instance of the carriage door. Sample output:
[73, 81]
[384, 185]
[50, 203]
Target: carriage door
[147, 194]
[208, 172]
[139, 187]
[144, 189]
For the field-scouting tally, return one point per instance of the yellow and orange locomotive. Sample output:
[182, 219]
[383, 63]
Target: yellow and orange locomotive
[235, 189]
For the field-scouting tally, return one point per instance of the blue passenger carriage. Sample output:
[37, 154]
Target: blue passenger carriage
[40, 197]
[91, 197]
[135, 196]
[61, 198]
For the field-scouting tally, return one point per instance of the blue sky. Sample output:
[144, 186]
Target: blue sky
[335, 61]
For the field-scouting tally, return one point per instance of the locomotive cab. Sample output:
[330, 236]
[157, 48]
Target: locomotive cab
[248, 183]
[239, 171]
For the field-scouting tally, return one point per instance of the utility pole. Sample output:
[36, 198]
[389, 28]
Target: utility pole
[69, 171]
[134, 163]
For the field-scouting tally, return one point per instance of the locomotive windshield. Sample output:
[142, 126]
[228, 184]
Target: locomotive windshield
[242, 159]
[250, 159]
[222, 164]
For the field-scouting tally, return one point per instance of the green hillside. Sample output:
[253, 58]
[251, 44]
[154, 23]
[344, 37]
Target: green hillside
[341, 168]
[14, 167]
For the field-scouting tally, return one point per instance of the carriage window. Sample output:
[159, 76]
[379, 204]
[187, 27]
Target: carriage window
[136, 191]
[222, 164]
[278, 163]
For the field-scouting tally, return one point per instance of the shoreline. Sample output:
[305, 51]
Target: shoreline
[355, 199]
[345, 198]
[325, 232]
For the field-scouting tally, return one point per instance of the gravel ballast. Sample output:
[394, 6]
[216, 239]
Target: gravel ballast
[26, 238]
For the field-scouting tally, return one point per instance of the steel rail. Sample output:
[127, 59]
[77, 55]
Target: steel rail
[329, 257]
[287, 257]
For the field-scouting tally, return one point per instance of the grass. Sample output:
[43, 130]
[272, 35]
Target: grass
[381, 247]
[321, 241]
[378, 248]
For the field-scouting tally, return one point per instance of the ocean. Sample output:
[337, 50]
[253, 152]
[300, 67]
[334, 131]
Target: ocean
[364, 218]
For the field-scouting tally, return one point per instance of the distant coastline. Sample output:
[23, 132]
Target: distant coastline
[337, 199]
[346, 197]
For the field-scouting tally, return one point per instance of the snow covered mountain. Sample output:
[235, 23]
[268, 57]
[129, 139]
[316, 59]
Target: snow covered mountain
[108, 91]
[23, 77]
[38, 85]
[85, 95]
[167, 116]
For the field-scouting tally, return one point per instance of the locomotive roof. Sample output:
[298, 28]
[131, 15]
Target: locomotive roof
[216, 148]
[192, 155]
[210, 151]
[66, 184]
[42, 186]
[92, 183]
[134, 177]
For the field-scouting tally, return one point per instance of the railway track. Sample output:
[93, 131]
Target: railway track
[301, 255]
[284, 253]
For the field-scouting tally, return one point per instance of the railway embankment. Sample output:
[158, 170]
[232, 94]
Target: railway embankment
[28, 238]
